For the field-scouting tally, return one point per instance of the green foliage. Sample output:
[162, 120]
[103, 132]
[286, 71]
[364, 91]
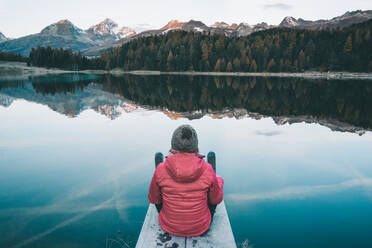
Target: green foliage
[5, 56]
[273, 50]
[278, 49]
[63, 59]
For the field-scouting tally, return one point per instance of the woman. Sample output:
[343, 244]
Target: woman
[186, 186]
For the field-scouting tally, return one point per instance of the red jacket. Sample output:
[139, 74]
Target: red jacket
[185, 184]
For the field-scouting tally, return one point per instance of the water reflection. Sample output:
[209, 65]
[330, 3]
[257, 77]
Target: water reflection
[73, 182]
[338, 104]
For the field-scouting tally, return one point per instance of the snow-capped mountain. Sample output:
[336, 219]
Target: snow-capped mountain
[220, 25]
[62, 28]
[108, 29]
[289, 22]
[345, 20]
[243, 29]
[125, 32]
[3, 37]
[173, 24]
[197, 26]
[64, 34]
[108, 35]
[236, 30]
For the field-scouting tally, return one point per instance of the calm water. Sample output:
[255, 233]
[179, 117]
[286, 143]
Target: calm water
[76, 156]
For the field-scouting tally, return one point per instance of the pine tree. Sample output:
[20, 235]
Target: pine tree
[170, 61]
[253, 66]
[217, 67]
[229, 66]
[367, 37]
[271, 65]
[348, 47]
[301, 60]
[236, 63]
[223, 65]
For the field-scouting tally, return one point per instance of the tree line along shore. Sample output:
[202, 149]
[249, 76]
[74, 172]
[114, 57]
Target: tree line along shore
[273, 50]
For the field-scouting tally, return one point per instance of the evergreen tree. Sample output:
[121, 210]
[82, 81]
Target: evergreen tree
[170, 61]
[253, 66]
[348, 47]
[217, 67]
[277, 49]
[229, 67]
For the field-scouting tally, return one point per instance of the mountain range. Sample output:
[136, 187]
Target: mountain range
[107, 34]
[64, 34]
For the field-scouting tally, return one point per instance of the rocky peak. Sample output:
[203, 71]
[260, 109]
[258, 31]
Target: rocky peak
[234, 26]
[64, 22]
[289, 21]
[354, 15]
[244, 29]
[3, 37]
[125, 32]
[193, 25]
[345, 20]
[244, 25]
[106, 27]
[262, 25]
[222, 25]
[173, 24]
[62, 28]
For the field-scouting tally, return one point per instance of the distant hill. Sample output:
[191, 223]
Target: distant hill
[107, 34]
[238, 30]
[64, 34]
[272, 50]
[345, 20]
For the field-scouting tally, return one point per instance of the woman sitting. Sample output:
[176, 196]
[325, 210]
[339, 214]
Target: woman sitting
[186, 187]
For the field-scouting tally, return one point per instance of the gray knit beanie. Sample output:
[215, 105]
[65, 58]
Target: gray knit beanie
[185, 139]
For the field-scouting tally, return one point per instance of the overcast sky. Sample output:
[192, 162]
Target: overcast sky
[23, 17]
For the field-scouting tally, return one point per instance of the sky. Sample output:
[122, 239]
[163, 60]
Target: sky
[22, 17]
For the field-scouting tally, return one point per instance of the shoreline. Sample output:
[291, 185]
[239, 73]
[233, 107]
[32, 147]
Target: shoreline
[310, 74]
[20, 69]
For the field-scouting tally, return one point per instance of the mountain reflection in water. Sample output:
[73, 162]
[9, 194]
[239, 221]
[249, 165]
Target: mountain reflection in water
[338, 104]
[74, 182]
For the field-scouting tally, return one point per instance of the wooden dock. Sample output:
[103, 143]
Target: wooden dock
[219, 234]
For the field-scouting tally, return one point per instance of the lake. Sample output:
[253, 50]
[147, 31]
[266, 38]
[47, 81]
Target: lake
[77, 156]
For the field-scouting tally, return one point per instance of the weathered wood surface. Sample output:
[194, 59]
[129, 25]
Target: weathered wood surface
[219, 235]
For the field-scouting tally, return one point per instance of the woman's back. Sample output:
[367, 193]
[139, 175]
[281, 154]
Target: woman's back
[185, 184]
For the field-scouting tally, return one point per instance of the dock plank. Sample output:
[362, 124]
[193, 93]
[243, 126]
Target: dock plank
[153, 236]
[219, 235]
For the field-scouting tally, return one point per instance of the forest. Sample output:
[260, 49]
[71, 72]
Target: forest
[5, 56]
[64, 59]
[273, 50]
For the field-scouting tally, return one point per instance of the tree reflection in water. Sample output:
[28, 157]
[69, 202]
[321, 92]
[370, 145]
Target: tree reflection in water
[345, 101]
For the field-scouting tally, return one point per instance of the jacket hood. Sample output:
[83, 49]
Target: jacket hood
[184, 167]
